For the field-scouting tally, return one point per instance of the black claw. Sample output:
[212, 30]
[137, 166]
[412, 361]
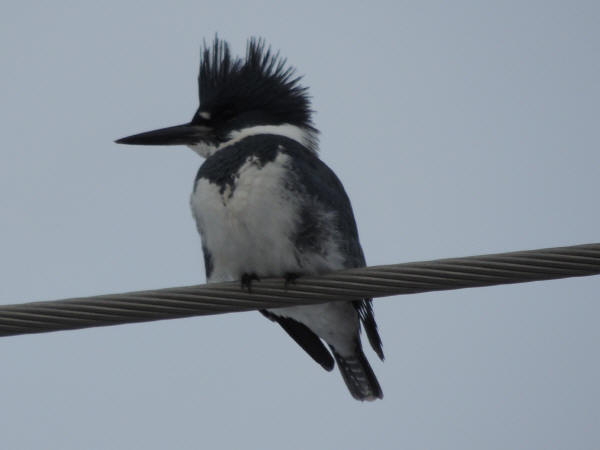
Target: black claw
[290, 278]
[247, 279]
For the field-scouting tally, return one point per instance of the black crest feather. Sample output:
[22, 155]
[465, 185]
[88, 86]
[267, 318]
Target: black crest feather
[260, 82]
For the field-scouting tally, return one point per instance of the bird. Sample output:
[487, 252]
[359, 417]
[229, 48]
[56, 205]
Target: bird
[266, 205]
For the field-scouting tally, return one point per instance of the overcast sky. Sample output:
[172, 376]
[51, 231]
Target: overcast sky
[458, 128]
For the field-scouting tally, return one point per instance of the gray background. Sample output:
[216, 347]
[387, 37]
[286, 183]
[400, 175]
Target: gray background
[458, 128]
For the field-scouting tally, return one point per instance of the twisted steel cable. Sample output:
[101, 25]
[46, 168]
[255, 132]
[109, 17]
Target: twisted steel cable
[375, 281]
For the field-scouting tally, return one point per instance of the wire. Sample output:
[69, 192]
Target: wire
[351, 284]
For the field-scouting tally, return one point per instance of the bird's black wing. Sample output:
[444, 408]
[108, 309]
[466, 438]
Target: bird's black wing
[322, 185]
[305, 338]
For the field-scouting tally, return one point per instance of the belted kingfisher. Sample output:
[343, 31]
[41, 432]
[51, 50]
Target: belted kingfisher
[266, 205]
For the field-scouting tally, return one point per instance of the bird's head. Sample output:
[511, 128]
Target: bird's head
[258, 94]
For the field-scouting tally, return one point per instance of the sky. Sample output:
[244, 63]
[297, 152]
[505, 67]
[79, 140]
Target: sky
[458, 128]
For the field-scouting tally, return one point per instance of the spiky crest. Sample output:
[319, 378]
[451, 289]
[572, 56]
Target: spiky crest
[262, 82]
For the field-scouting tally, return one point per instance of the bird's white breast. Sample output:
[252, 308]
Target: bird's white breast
[249, 226]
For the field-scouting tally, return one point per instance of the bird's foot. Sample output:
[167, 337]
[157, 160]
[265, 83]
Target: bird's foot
[247, 279]
[290, 278]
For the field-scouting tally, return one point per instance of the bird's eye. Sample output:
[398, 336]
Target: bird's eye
[204, 115]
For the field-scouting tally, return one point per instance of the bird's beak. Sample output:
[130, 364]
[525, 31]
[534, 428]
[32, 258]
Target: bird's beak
[187, 134]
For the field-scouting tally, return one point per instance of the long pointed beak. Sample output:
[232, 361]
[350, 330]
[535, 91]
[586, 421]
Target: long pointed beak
[187, 134]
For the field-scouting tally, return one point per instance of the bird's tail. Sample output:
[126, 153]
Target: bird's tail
[358, 375]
